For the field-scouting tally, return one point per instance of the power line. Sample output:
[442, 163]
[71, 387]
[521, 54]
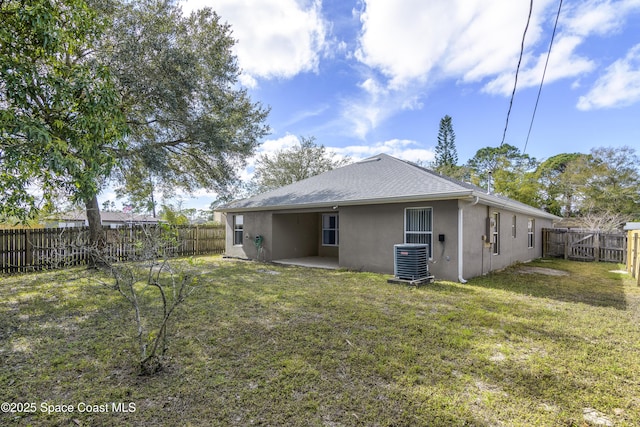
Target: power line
[515, 84]
[533, 116]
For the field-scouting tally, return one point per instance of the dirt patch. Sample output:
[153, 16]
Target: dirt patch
[543, 270]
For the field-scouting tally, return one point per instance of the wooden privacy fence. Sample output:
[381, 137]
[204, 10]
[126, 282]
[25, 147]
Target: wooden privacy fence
[584, 245]
[633, 254]
[24, 250]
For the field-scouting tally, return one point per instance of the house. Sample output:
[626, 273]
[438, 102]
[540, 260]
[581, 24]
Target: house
[78, 218]
[357, 213]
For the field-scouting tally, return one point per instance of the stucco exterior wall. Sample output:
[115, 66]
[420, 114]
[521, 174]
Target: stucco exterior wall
[368, 234]
[255, 223]
[478, 256]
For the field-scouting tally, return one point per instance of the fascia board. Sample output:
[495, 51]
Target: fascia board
[360, 202]
[491, 200]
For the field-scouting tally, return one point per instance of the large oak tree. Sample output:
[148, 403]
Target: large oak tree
[61, 123]
[169, 80]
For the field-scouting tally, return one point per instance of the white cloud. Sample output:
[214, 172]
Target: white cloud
[599, 16]
[412, 40]
[618, 87]
[270, 146]
[401, 148]
[562, 63]
[275, 38]
[577, 22]
[306, 114]
[415, 44]
[376, 104]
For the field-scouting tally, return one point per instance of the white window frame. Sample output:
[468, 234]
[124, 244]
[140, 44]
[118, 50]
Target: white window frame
[238, 229]
[334, 230]
[531, 233]
[495, 234]
[428, 233]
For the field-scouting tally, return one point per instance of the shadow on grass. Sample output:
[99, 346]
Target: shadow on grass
[578, 282]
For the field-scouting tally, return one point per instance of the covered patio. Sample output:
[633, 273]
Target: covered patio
[329, 263]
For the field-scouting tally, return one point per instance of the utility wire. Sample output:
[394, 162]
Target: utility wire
[515, 84]
[553, 35]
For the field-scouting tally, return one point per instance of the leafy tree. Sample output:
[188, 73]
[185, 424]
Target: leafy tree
[191, 125]
[139, 193]
[75, 79]
[294, 164]
[602, 187]
[109, 206]
[61, 124]
[173, 215]
[614, 182]
[560, 179]
[510, 172]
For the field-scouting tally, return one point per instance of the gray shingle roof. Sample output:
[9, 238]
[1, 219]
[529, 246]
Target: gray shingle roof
[378, 179]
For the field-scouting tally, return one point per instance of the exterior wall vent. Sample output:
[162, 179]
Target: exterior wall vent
[410, 261]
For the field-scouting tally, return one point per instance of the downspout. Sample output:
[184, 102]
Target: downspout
[461, 239]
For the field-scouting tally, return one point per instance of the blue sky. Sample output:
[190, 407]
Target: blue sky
[371, 76]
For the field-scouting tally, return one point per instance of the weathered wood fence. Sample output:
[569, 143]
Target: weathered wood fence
[633, 254]
[24, 250]
[584, 245]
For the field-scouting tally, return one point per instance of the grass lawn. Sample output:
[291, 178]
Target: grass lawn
[260, 344]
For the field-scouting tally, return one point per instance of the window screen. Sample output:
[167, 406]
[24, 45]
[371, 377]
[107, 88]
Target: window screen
[418, 226]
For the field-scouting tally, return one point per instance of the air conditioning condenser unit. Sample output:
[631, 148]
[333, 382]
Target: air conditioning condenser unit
[410, 261]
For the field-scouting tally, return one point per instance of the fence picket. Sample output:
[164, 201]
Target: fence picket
[24, 250]
[584, 245]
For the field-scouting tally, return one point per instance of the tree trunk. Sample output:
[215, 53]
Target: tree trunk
[96, 234]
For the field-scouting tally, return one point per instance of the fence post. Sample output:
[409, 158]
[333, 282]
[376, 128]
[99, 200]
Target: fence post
[565, 239]
[196, 242]
[632, 259]
[28, 249]
[636, 258]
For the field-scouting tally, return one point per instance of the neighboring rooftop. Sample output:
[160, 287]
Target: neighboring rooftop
[106, 216]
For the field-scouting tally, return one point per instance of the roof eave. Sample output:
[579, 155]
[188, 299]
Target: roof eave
[372, 201]
[484, 198]
[492, 200]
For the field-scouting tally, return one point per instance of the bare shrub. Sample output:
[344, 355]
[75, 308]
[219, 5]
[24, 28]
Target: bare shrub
[151, 283]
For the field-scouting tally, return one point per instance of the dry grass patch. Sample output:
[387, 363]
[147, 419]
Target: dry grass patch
[262, 344]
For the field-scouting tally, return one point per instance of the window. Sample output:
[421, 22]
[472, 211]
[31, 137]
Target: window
[330, 235]
[418, 226]
[238, 228]
[495, 233]
[513, 226]
[531, 232]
